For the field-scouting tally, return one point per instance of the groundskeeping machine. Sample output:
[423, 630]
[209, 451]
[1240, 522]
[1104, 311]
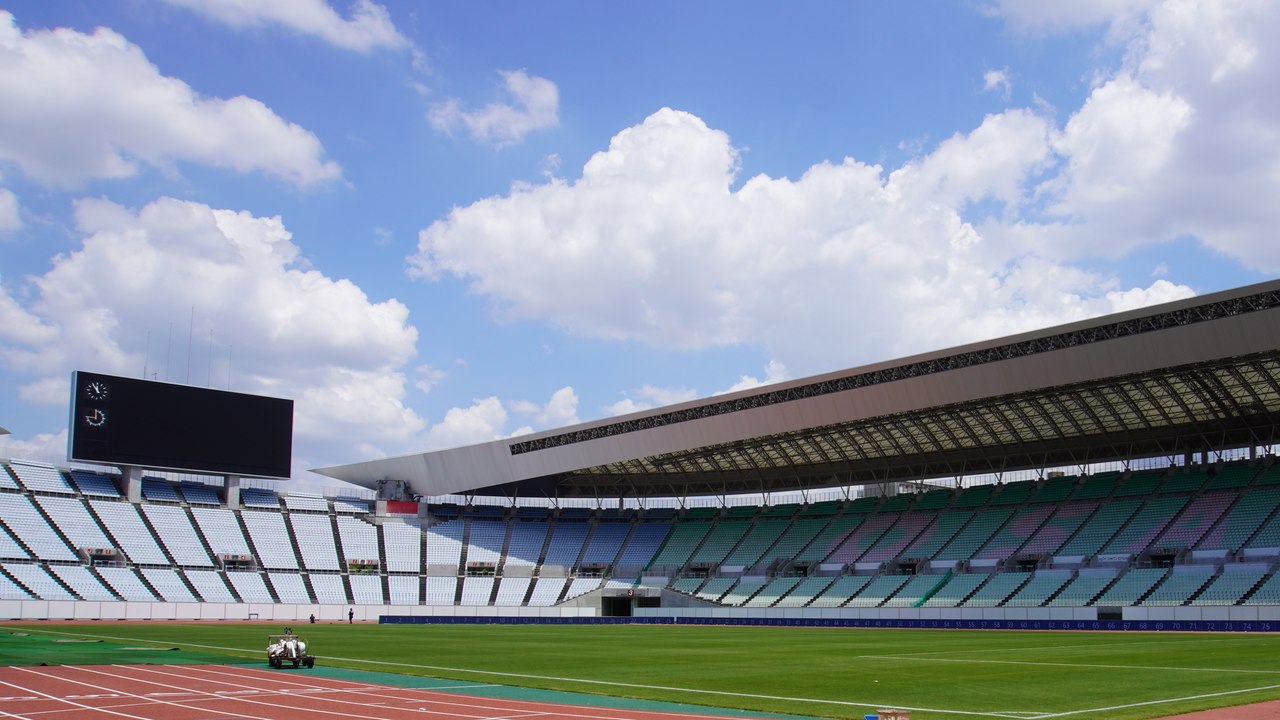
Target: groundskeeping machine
[288, 649]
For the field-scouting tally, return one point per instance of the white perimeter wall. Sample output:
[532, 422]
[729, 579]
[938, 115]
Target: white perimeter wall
[286, 613]
[277, 612]
[1238, 613]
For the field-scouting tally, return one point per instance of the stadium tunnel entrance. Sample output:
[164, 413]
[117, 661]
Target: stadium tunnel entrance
[615, 606]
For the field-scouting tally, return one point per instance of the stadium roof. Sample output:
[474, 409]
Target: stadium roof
[1187, 376]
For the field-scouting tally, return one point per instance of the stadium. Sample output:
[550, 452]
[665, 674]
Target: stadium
[1115, 474]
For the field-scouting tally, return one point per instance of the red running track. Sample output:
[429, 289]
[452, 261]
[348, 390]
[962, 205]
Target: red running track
[216, 692]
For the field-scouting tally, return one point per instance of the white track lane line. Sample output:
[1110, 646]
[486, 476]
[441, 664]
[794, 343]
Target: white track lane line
[1012, 714]
[90, 707]
[240, 698]
[504, 707]
[449, 690]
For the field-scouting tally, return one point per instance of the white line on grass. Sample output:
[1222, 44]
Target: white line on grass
[1068, 665]
[1012, 715]
[1161, 702]
[1054, 648]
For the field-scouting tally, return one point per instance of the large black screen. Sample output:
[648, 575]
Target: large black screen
[127, 421]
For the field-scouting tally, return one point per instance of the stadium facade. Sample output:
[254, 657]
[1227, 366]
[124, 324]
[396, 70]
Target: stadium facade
[1179, 402]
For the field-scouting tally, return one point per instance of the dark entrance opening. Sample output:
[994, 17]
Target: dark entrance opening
[615, 606]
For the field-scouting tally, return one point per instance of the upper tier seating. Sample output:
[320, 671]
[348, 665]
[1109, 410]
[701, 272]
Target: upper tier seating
[937, 534]
[270, 539]
[1195, 521]
[359, 539]
[968, 541]
[1101, 527]
[566, 543]
[605, 543]
[757, 541]
[221, 530]
[722, 538]
[683, 540]
[485, 541]
[1015, 533]
[74, 520]
[444, 544]
[259, 498]
[644, 544]
[157, 490]
[296, 502]
[898, 537]
[91, 483]
[1243, 520]
[315, 541]
[402, 543]
[198, 494]
[39, 477]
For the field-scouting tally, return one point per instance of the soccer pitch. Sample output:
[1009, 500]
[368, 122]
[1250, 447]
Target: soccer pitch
[839, 673]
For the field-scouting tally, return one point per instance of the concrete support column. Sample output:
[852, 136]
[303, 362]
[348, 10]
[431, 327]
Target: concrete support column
[132, 477]
[233, 492]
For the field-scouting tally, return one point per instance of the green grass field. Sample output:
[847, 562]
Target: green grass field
[839, 673]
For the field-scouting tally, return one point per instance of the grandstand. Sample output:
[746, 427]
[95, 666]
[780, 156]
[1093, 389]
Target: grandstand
[1117, 468]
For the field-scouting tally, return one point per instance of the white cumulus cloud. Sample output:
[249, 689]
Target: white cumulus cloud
[83, 106]
[368, 27]
[263, 317]
[10, 217]
[535, 105]
[654, 243]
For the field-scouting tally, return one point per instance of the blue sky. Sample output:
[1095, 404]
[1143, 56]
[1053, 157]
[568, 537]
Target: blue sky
[434, 224]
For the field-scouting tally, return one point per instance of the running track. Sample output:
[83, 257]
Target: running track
[216, 692]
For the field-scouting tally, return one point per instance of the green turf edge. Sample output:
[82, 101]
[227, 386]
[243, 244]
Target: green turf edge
[512, 692]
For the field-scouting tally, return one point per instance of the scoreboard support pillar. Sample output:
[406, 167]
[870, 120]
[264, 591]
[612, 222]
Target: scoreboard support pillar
[132, 476]
[233, 492]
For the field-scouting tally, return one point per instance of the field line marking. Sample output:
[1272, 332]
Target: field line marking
[1035, 648]
[1068, 665]
[1161, 702]
[1013, 715]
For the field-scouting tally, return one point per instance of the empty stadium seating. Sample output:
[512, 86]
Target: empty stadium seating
[1074, 541]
